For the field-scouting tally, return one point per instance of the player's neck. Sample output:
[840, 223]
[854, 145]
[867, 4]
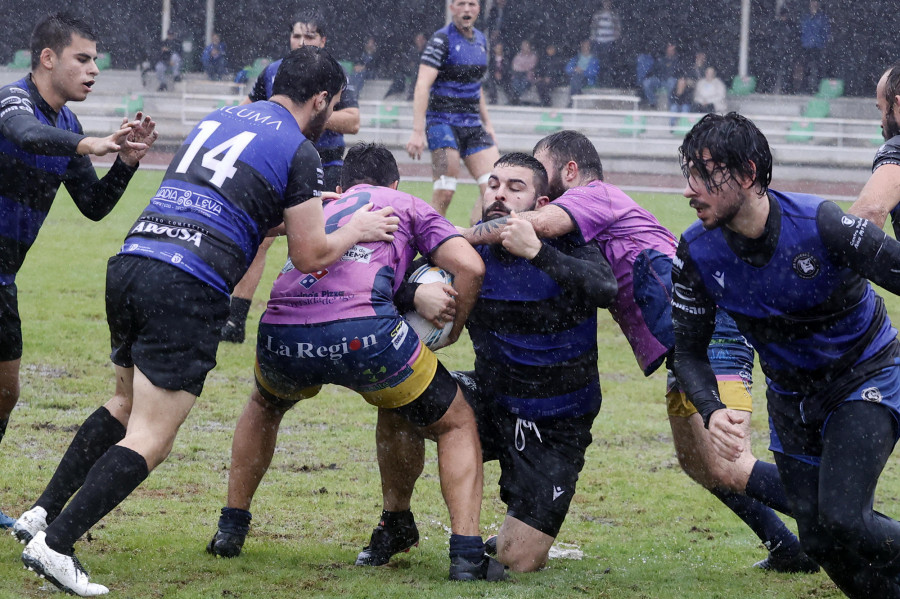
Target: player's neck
[750, 221]
[42, 82]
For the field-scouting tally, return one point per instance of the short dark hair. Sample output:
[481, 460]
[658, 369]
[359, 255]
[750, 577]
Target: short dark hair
[568, 145]
[307, 71]
[529, 162]
[370, 163]
[311, 17]
[736, 147]
[892, 85]
[55, 31]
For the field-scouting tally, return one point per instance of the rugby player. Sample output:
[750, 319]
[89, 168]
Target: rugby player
[42, 146]
[378, 355]
[449, 110]
[791, 270]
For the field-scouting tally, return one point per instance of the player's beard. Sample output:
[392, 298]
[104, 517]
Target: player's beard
[555, 186]
[317, 125]
[891, 128]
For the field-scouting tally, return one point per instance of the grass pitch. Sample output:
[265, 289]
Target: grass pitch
[644, 529]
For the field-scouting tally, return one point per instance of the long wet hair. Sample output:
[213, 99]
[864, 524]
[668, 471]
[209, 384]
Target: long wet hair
[736, 146]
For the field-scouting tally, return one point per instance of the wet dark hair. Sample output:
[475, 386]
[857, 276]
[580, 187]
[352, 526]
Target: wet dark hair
[568, 145]
[55, 31]
[892, 85]
[370, 163]
[736, 147]
[307, 71]
[530, 162]
[313, 18]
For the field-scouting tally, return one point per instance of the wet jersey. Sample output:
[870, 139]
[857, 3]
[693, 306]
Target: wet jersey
[234, 176]
[330, 144]
[534, 329]
[797, 294]
[889, 153]
[461, 63]
[623, 230]
[37, 155]
[363, 282]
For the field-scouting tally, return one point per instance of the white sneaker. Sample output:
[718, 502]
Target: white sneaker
[64, 571]
[29, 524]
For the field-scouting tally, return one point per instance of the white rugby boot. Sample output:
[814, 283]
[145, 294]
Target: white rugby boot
[64, 571]
[29, 524]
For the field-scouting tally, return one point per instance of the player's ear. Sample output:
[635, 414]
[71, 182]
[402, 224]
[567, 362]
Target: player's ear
[395, 185]
[338, 190]
[47, 56]
[541, 202]
[570, 171]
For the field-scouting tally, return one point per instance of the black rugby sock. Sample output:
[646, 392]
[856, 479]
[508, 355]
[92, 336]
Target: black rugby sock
[765, 486]
[110, 481]
[97, 434]
[3, 424]
[468, 547]
[760, 518]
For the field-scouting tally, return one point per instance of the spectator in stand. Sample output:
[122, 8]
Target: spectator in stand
[410, 68]
[606, 29]
[364, 66]
[522, 76]
[214, 58]
[815, 33]
[496, 23]
[168, 64]
[710, 93]
[683, 97]
[498, 73]
[548, 74]
[663, 75]
[582, 70]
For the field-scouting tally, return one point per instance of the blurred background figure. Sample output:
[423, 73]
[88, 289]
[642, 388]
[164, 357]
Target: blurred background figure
[214, 58]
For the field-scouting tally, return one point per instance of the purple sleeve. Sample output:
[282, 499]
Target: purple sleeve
[591, 213]
[430, 229]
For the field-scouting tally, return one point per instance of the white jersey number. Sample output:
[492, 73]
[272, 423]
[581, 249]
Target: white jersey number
[223, 168]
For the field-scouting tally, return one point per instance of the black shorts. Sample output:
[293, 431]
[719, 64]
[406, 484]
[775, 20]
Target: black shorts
[10, 324]
[539, 461]
[164, 321]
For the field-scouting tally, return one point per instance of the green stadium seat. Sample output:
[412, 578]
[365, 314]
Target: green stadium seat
[830, 88]
[633, 126]
[817, 108]
[549, 122]
[682, 127]
[103, 60]
[223, 103]
[877, 140]
[346, 65]
[742, 86]
[388, 116]
[130, 105]
[800, 132]
[21, 60]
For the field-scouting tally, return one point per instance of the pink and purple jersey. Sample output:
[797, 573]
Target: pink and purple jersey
[623, 229]
[363, 282]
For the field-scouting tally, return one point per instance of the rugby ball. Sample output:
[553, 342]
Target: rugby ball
[431, 336]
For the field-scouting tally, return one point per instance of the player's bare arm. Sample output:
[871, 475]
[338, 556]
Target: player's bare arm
[879, 196]
[548, 222]
[345, 121]
[424, 80]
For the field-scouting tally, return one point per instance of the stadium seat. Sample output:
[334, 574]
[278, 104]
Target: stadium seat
[103, 60]
[633, 126]
[388, 116]
[830, 88]
[223, 103]
[817, 108]
[742, 86]
[21, 60]
[683, 125]
[131, 105]
[347, 66]
[549, 123]
[800, 132]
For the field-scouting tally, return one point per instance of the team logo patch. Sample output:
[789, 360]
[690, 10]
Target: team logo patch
[806, 266]
[872, 394]
[847, 221]
[313, 278]
[177, 258]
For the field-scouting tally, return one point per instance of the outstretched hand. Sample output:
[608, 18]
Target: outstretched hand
[138, 141]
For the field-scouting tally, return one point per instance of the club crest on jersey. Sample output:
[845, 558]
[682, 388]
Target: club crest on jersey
[872, 394]
[806, 266]
[313, 278]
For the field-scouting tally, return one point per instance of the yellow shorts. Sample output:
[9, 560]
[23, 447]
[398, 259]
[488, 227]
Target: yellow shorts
[733, 390]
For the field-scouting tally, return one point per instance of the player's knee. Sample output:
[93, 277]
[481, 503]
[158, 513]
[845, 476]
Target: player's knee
[445, 183]
[842, 522]
[521, 558]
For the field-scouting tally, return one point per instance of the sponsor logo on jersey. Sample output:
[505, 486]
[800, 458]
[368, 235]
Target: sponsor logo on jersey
[806, 266]
[872, 394]
[719, 276]
[358, 254]
[312, 278]
[678, 262]
[182, 199]
[333, 352]
[177, 258]
[180, 233]
[10, 101]
[253, 115]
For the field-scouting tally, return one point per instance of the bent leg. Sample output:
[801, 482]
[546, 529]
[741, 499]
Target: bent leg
[401, 459]
[521, 547]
